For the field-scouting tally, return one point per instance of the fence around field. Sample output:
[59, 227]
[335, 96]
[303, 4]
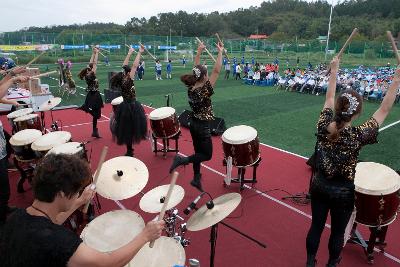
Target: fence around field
[359, 52]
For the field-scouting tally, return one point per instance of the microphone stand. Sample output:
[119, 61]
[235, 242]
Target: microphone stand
[214, 236]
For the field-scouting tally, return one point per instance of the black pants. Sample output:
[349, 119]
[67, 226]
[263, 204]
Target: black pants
[338, 198]
[227, 72]
[237, 76]
[4, 189]
[201, 136]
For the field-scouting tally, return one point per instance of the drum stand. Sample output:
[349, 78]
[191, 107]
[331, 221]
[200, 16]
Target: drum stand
[54, 125]
[241, 172]
[165, 141]
[25, 168]
[377, 237]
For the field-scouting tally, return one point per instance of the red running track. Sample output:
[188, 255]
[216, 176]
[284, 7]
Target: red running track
[282, 226]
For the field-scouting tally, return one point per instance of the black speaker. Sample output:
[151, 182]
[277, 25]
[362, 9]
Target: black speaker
[109, 95]
[217, 125]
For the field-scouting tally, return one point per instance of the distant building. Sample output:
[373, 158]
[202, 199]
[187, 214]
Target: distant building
[258, 36]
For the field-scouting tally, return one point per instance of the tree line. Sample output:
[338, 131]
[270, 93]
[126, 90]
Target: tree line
[280, 19]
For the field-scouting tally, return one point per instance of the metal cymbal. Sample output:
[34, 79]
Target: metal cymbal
[50, 104]
[204, 217]
[121, 178]
[152, 201]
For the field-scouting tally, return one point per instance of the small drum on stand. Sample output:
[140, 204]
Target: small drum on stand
[46, 142]
[377, 194]
[24, 155]
[112, 230]
[70, 148]
[377, 201]
[165, 125]
[166, 252]
[241, 149]
[18, 113]
[115, 103]
[30, 121]
[21, 143]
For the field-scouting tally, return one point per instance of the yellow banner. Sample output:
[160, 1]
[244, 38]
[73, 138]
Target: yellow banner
[17, 47]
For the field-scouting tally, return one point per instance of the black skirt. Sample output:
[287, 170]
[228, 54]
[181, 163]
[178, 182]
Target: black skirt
[93, 104]
[130, 124]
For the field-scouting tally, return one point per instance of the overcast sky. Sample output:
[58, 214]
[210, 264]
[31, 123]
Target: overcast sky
[17, 14]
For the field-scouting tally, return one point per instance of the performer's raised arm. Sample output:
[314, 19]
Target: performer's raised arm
[200, 49]
[330, 93]
[217, 65]
[136, 62]
[389, 99]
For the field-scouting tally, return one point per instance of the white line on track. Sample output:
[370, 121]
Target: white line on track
[388, 126]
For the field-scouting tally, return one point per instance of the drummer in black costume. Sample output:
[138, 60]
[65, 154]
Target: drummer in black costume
[337, 149]
[130, 120]
[200, 90]
[93, 102]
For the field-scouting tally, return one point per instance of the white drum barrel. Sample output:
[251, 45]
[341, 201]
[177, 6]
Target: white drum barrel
[241, 143]
[70, 148]
[30, 121]
[164, 122]
[18, 113]
[115, 103]
[46, 142]
[21, 143]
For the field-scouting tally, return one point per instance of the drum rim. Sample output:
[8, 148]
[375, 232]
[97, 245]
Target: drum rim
[53, 149]
[32, 133]
[387, 191]
[10, 115]
[156, 117]
[26, 117]
[250, 138]
[116, 102]
[62, 134]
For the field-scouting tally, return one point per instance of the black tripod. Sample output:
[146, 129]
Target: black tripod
[214, 236]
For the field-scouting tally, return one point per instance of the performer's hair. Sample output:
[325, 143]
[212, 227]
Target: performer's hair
[342, 108]
[85, 71]
[199, 71]
[60, 173]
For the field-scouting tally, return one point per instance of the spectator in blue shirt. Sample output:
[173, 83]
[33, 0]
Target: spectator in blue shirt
[169, 70]
[234, 60]
[253, 61]
[242, 60]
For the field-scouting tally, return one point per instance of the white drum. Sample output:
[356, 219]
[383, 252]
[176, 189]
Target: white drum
[164, 122]
[377, 194]
[18, 113]
[70, 148]
[46, 142]
[112, 230]
[30, 121]
[241, 143]
[115, 103]
[21, 143]
[167, 252]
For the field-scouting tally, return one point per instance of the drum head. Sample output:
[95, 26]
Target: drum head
[112, 230]
[19, 113]
[239, 135]
[166, 252]
[161, 113]
[70, 148]
[26, 117]
[50, 140]
[25, 137]
[376, 179]
[117, 101]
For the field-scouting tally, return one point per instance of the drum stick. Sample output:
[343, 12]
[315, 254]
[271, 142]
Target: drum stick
[101, 54]
[219, 40]
[133, 50]
[164, 207]
[396, 53]
[97, 173]
[208, 52]
[339, 55]
[33, 60]
[346, 44]
[148, 52]
[44, 74]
